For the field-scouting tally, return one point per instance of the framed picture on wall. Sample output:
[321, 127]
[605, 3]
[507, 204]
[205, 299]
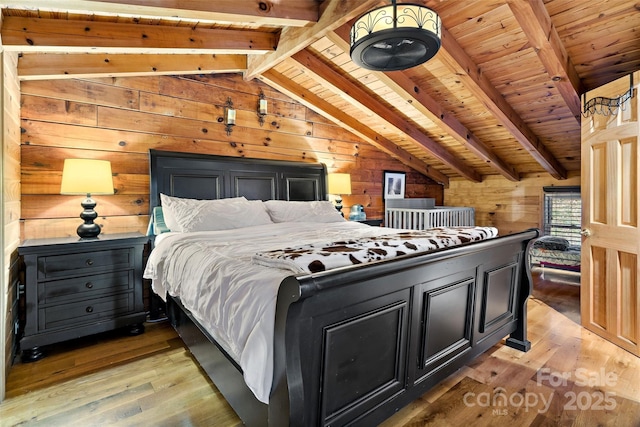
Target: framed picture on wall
[393, 185]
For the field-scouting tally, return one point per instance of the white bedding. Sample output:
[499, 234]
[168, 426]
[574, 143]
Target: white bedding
[232, 297]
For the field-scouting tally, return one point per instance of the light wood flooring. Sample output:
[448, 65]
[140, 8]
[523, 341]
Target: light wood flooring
[570, 377]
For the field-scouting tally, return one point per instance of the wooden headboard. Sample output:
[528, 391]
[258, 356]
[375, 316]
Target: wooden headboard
[203, 176]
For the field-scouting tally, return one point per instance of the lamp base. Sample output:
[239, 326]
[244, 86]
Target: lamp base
[89, 229]
[338, 205]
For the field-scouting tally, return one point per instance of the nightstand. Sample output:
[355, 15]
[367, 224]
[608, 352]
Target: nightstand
[76, 287]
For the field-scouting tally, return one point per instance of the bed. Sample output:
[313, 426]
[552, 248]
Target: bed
[350, 345]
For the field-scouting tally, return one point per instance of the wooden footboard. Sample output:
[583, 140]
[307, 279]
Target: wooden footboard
[354, 345]
[362, 342]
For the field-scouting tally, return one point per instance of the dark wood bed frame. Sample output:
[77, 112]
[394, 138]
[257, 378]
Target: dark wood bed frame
[354, 345]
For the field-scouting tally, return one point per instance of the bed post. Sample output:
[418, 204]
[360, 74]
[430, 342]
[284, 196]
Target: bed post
[518, 338]
[280, 408]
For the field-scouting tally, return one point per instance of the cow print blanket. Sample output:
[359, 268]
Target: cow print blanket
[313, 258]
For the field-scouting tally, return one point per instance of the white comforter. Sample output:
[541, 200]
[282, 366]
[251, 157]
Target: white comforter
[232, 297]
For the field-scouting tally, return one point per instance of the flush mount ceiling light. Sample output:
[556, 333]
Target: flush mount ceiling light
[395, 37]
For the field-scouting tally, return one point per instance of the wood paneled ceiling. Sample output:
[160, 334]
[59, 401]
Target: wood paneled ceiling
[502, 96]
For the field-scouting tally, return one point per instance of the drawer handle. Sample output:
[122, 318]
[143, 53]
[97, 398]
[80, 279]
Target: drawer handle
[89, 261]
[89, 285]
[89, 309]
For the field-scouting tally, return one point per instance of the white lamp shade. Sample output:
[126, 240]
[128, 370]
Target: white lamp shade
[86, 176]
[339, 183]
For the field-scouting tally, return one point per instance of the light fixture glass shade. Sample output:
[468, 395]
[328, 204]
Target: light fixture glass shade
[262, 108]
[86, 176]
[339, 183]
[230, 117]
[395, 37]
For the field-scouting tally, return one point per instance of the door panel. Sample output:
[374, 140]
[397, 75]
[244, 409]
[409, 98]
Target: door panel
[598, 287]
[628, 290]
[599, 171]
[629, 189]
[610, 298]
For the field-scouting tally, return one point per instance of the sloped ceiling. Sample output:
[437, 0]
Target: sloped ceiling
[501, 97]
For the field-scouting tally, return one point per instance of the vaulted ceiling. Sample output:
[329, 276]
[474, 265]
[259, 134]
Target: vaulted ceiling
[501, 96]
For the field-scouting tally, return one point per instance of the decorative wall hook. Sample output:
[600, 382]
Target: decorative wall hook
[607, 106]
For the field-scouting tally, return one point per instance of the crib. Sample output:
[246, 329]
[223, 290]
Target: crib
[421, 213]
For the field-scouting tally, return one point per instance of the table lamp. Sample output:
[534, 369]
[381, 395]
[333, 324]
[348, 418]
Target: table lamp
[339, 184]
[87, 176]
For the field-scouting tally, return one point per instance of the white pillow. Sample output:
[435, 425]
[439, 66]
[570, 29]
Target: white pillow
[212, 215]
[317, 211]
[171, 209]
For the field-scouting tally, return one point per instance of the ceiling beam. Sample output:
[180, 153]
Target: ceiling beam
[456, 59]
[45, 66]
[292, 40]
[54, 35]
[355, 95]
[336, 115]
[298, 13]
[401, 84]
[536, 24]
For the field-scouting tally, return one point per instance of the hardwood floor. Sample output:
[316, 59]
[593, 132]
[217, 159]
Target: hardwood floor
[570, 377]
[114, 379]
[559, 290]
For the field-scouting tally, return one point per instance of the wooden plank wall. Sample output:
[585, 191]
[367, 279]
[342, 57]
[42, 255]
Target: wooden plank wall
[120, 119]
[10, 208]
[506, 205]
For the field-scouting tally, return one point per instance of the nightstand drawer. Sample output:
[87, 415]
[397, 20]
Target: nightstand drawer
[85, 312]
[53, 266]
[84, 287]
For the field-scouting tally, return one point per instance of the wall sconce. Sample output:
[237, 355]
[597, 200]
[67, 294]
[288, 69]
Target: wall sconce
[229, 116]
[262, 108]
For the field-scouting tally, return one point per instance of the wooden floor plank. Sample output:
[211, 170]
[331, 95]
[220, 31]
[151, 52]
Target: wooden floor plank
[115, 380]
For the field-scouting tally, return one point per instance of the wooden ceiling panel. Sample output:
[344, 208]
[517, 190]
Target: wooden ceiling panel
[515, 68]
[494, 35]
[569, 14]
[459, 12]
[589, 29]
[500, 97]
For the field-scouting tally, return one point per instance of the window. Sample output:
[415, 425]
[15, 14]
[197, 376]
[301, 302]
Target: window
[563, 213]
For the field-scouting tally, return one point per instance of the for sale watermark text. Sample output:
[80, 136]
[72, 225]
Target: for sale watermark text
[501, 401]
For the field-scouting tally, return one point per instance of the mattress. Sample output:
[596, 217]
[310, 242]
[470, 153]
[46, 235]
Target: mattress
[217, 279]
